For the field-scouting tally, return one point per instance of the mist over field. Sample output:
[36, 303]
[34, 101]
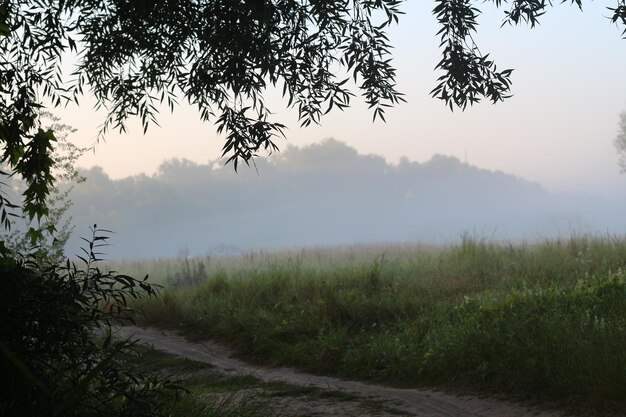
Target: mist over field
[326, 194]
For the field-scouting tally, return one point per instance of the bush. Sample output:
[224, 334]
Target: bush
[57, 353]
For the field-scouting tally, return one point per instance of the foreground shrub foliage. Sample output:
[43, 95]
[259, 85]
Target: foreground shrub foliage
[57, 353]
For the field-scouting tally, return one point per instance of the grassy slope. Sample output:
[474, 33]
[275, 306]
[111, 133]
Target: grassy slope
[546, 321]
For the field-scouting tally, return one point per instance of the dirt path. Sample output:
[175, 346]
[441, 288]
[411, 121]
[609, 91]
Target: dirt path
[422, 403]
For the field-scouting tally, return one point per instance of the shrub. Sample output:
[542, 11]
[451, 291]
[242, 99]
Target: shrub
[57, 353]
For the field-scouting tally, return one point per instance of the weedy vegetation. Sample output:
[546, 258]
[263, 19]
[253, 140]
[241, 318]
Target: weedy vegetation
[545, 321]
[57, 354]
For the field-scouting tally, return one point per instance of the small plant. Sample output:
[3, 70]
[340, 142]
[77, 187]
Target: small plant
[58, 356]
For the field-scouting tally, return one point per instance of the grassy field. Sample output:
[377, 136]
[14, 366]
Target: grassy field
[545, 321]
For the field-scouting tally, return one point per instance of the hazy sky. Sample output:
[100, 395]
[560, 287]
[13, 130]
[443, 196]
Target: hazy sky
[569, 86]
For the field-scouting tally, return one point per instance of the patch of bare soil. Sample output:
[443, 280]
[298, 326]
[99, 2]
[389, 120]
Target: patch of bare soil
[422, 403]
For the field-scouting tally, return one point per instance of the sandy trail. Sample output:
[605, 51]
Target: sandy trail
[422, 403]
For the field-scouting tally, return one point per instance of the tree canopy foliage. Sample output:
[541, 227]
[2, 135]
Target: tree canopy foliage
[222, 56]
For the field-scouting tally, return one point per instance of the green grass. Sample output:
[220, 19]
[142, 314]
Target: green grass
[152, 360]
[546, 321]
[210, 394]
[213, 394]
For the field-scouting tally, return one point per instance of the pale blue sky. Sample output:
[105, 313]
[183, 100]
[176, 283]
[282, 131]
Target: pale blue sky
[569, 86]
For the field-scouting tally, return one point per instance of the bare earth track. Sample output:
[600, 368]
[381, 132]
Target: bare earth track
[422, 403]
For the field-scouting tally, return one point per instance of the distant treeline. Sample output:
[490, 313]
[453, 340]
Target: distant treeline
[324, 194]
